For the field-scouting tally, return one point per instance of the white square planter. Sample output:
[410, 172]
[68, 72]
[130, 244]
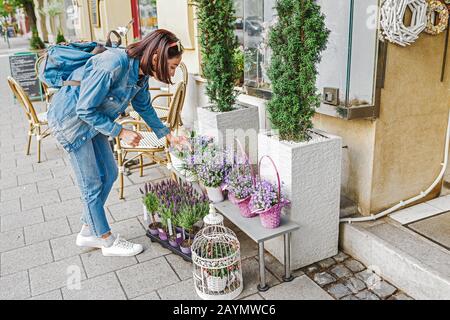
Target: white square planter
[241, 123]
[311, 173]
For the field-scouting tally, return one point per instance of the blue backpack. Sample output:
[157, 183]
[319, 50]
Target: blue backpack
[62, 59]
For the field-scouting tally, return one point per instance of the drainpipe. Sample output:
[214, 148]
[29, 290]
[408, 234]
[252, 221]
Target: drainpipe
[422, 194]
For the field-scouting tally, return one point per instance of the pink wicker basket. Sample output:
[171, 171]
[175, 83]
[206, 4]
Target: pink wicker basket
[245, 208]
[271, 218]
[243, 204]
[232, 198]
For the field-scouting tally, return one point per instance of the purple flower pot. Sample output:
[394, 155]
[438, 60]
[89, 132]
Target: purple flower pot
[179, 238]
[173, 243]
[153, 232]
[153, 228]
[162, 234]
[185, 247]
[186, 250]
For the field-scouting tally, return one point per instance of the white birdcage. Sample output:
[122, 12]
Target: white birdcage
[216, 260]
[212, 218]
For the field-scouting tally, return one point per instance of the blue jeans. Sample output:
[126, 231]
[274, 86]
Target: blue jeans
[96, 171]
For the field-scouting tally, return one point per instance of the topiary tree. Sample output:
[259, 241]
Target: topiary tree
[35, 42]
[60, 37]
[297, 41]
[218, 44]
[28, 6]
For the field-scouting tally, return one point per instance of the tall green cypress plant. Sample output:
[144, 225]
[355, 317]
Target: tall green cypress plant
[297, 41]
[218, 44]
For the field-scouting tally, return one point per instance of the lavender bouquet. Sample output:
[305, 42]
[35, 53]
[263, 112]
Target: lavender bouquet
[239, 181]
[199, 149]
[265, 196]
[214, 168]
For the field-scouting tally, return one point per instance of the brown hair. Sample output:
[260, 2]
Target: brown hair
[165, 45]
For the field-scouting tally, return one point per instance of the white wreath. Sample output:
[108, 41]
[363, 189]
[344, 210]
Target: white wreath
[392, 16]
[436, 8]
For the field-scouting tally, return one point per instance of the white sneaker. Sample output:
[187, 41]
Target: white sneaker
[122, 248]
[89, 241]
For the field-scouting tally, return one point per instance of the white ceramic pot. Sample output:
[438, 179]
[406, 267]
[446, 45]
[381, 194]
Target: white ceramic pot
[177, 163]
[216, 284]
[215, 194]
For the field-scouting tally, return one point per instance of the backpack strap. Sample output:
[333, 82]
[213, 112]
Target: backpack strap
[74, 83]
[108, 39]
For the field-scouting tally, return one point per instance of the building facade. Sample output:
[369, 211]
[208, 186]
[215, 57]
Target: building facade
[394, 116]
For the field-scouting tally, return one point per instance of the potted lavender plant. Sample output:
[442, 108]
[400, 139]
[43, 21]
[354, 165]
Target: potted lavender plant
[172, 198]
[267, 203]
[239, 183]
[198, 146]
[187, 218]
[165, 215]
[168, 216]
[180, 153]
[151, 205]
[212, 173]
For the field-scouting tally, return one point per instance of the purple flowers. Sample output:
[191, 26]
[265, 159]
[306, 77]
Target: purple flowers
[175, 197]
[214, 168]
[239, 181]
[194, 147]
[265, 196]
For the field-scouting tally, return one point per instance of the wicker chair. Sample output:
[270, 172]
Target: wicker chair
[150, 146]
[37, 122]
[163, 111]
[48, 92]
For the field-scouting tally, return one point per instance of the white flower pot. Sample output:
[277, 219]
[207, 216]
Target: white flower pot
[191, 177]
[215, 194]
[225, 127]
[216, 284]
[177, 163]
[311, 173]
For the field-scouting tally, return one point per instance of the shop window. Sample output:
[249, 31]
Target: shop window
[258, 17]
[239, 24]
[348, 69]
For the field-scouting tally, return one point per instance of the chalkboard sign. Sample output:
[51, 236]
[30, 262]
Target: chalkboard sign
[22, 70]
[94, 11]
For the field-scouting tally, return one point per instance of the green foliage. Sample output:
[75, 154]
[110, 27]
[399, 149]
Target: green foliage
[8, 6]
[166, 214]
[151, 202]
[239, 58]
[217, 250]
[15, 3]
[188, 216]
[60, 37]
[218, 44]
[297, 41]
[35, 42]
[52, 8]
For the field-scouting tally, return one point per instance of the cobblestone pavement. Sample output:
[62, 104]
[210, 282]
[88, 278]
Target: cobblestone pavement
[348, 279]
[39, 219]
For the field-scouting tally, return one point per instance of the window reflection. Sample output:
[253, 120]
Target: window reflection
[259, 15]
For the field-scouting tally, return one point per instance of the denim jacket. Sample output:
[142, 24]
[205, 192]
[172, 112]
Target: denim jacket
[109, 81]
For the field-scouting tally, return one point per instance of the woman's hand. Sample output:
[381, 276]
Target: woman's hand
[176, 140]
[130, 137]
